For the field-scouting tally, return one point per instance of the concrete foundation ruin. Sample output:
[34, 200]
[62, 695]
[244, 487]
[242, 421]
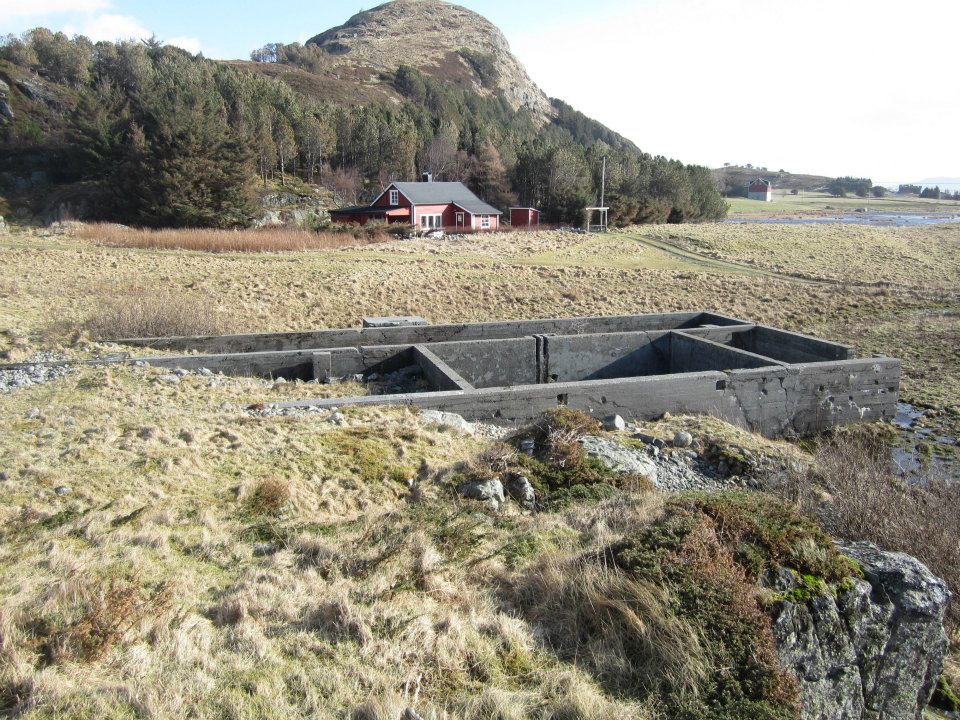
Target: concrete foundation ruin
[774, 382]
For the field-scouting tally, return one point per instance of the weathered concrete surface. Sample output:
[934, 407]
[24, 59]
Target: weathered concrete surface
[789, 346]
[605, 356]
[440, 375]
[693, 354]
[491, 363]
[635, 366]
[393, 321]
[875, 650]
[774, 401]
[417, 335]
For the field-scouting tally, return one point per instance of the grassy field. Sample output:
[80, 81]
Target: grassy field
[163, 553]
[814, 203]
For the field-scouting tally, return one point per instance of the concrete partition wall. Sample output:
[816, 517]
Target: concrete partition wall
[602, 357]
[421, 334]
[491, 363]
[790, 347]
[440, 375]
[695, 354]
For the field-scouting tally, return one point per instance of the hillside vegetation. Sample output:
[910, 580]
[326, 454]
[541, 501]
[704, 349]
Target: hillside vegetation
[152, 136]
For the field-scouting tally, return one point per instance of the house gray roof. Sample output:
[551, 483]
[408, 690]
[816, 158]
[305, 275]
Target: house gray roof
[441, 193]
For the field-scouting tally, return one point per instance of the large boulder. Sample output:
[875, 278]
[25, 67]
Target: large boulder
[873, 650]
[618, 458]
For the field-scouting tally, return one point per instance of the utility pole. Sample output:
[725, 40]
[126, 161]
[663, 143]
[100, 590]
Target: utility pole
[603, 182]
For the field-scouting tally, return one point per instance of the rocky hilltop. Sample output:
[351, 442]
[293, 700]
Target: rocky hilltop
[439, 38]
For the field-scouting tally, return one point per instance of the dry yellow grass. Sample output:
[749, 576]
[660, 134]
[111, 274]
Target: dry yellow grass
[307, 578]
[209, 564]
[926, 258]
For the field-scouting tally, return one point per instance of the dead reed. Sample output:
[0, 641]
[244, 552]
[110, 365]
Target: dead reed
[226, 241]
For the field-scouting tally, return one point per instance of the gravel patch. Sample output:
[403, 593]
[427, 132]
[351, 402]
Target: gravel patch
[33, 372]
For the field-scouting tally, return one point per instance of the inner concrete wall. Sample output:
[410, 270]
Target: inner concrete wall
[491, 363]
[603, 357]
[693, 354]
[788, 346]
[423, 334]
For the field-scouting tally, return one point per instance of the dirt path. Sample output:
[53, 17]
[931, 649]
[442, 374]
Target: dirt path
[714, 264]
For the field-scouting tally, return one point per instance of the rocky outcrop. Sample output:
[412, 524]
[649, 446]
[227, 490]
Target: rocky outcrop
[618, 458]
[871, 650]
[378, 40]
[6, 112]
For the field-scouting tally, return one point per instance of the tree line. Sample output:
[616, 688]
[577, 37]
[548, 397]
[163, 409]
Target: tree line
[160, 137]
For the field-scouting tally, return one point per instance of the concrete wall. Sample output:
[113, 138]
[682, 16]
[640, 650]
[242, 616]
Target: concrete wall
[790, 347]
[440, 375]
[602, 357]
[694, 354]
[491, 363]
[350, 337]
[776, 401]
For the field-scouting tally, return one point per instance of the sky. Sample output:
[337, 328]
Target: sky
[830, 87]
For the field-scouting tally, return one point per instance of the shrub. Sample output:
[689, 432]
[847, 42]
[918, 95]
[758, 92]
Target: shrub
[269, 497]
[664, 614]
[268, 239]
[693, 556]
[559, 470]
[557, 435]
[97, 619]
[868, 501]
[154, 314]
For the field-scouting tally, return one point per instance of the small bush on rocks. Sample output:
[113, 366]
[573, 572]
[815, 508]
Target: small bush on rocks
[664, 613]
[866, 500]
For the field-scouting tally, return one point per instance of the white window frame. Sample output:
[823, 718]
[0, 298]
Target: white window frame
[460, 217]
[394, 197]
[484, 222]
[431, 222]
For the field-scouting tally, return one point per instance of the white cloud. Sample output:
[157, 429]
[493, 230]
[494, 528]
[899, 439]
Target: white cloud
[110, 27]
[25, 8]
[190, 44]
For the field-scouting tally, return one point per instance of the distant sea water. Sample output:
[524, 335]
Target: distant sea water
[868, 218]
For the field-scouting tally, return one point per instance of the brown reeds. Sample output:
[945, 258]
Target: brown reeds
[275, 239]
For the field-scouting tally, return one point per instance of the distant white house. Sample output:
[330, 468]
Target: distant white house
[760, 190]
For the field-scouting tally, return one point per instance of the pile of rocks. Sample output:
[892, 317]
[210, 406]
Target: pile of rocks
[35, 371]
[672, 467]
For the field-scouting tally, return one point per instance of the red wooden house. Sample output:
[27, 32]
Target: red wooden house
[426, 206]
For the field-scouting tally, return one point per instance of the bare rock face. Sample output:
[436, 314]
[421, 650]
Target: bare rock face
[6, 112]
[875, 650]
[438, 38]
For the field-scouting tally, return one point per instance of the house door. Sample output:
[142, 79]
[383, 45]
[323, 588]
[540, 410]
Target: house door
[459, 220]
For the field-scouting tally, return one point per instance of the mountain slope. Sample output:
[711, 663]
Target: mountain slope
[443, 40]
[150, 135]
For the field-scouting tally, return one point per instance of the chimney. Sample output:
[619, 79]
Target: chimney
[426, 177]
